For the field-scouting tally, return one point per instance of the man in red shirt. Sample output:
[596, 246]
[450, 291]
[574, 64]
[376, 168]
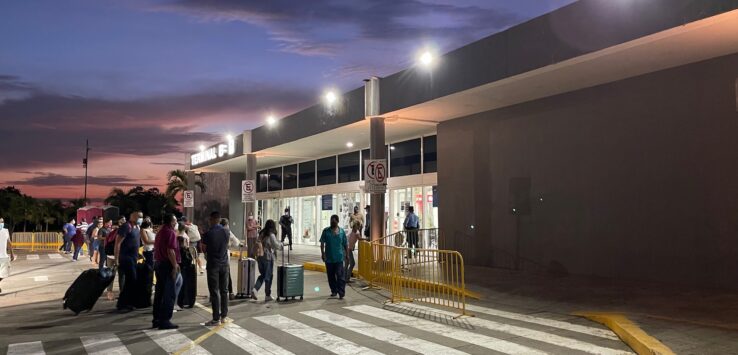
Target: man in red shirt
[166, 266]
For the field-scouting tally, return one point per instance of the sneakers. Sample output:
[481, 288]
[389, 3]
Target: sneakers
[212, 323]
[253, 295]
[268, 299]
[333, 294]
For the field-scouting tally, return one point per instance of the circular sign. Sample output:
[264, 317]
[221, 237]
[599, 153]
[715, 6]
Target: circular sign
[377, 171]
[248, 187]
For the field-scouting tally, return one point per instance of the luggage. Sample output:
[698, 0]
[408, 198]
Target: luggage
[246, 276]
[290, 279]
[142, 288]
[87, 288]
[188, 293]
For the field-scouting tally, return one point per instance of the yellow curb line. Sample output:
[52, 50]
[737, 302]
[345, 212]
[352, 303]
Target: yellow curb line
[629, 332]
[203, 337]
[422, 284]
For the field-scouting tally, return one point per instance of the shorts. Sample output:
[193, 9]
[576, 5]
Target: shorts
[4, 267]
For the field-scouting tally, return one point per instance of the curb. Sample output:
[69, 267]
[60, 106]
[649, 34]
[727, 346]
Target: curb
[318, 267]
[629, 332]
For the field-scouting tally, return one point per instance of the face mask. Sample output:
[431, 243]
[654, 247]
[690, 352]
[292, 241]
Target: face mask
[139, 221]
[2, 225]
[176, 226]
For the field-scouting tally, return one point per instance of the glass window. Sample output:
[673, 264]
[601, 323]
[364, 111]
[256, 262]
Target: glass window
[429, 155]
[327, 171]
[289, 177]
[365, 157]
[262, 179]
[348, 167]
[405, 158]
[275, 179]
[307, 174]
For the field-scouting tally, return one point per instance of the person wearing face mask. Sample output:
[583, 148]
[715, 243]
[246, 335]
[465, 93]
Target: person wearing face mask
[166, 266]
[334, 251]
[286, 222]
[127, 242]
[5, 246]
[252, 230]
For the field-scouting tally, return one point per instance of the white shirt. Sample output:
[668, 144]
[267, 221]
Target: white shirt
[193, 233]
[151, 235]
[4, 236]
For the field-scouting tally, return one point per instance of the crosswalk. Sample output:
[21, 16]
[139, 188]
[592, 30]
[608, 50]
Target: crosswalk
[361, 330]
[34, 257]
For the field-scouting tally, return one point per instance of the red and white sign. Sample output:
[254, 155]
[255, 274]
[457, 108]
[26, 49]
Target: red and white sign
[376, 176]
[248, 191]
[188, 198]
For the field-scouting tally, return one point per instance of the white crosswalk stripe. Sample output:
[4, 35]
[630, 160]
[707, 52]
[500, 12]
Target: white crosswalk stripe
[602, 333]
[404, 341]
[30, 348]
[447, 331]
[526, 332]
[32, 257]
[249, 341]
[103, 344]
[173, 341]
[314, 336]
[55, 256]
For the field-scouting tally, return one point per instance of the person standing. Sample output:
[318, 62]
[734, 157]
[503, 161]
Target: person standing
[6, 247]
[333, 251]
[233, 243]
[102, 236]
[411, 225]
[286, 223]
[368, 224]
[88, 236]
[83, 227]
[252, 231]
[127, 242]
[353, 237]
[147, 239]
[215, 247]
[265, 255]
[356, 218]
[95, 241]
[166, 266]
[69, 231]
[78, 240]
[193, 238]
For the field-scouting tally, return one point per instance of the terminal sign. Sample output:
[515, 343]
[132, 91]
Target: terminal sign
[214, 152]
[248, 191]
[376, 176]
[188, 198]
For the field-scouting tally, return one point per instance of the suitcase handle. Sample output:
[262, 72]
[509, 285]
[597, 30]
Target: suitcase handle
[288, 255]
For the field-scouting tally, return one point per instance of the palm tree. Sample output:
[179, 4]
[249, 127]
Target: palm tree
[177, 183]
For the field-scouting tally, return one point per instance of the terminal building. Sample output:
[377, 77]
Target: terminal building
[598, 139]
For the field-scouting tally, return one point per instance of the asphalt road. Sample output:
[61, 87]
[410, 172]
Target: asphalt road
[32, 322]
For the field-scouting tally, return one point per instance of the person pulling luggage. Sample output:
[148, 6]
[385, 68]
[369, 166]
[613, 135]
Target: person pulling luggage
[265, 248]
[334, 251]
[166, 266]
[215, 246]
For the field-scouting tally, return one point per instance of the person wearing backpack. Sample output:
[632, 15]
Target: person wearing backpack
[266, 245]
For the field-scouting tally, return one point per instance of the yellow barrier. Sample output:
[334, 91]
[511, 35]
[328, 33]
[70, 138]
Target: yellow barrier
[422, 275]
[37, 241]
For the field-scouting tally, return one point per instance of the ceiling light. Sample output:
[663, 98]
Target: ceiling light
[350, 145]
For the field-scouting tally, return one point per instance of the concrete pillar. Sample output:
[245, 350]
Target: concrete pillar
[376, 151]
[250, 207]
[189, 212]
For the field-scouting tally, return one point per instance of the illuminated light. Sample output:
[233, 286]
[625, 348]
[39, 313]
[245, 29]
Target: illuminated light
[349, 144]
[330, 98]
[472, 226]
[426, 58]
[229, 137]
[317, 289]
[202, 147]
[271, 120]
[392, 147]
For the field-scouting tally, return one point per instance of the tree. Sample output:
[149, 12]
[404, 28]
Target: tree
[177, 183]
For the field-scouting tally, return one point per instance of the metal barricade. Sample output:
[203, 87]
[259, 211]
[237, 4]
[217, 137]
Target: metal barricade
[37, 241]
[415, 274]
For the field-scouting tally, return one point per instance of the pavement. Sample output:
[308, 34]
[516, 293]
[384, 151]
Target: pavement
[515, 316]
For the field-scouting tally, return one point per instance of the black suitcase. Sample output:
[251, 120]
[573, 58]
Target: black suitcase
[142, 287]
[87, 288]
[188, 293]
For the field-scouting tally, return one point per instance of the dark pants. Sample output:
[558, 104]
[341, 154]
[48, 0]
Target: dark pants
[289, 238]
[350, 264]
[336, 278]
[218, 287]
[251, 247]
[127, 281]
[165, 293]
[103, 256]
[149, 258]
[412, 241]
[67, 244]
[266, 270]
[77, 250]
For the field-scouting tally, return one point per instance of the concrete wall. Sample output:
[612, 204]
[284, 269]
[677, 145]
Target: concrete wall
[235, 206]
[215, 198]
[636, 179]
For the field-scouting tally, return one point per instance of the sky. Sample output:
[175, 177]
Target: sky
[147, 81]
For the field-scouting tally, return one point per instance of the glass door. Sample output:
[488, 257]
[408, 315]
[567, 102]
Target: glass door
[307, 232]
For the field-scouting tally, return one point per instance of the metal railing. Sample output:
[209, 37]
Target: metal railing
[34, 241]
[415, 274]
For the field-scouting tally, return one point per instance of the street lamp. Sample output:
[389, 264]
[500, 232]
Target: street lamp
[271, 121]
[330, 98]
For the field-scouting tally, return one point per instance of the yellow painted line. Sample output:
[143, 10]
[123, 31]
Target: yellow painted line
[409, 282]
[629, 332]
[203, 337]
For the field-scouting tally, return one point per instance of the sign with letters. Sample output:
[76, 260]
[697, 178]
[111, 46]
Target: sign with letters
[188, 198]
[231, 148]
[248, 191]
[376, 176]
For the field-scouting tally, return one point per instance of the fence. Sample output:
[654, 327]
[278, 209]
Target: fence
[415, 274]
[34, 241]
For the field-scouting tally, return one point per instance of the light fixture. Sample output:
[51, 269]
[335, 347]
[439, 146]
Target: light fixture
[392, 147]
[202, 147]
[350, 145]
[271, 120]
[425, 58]
[330, 98]
[229, 137]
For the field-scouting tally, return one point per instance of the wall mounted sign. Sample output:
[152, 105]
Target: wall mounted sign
[219, 152]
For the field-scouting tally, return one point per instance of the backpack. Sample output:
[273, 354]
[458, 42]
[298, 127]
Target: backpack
[110, 242]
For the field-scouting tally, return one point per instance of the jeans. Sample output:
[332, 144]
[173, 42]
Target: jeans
[350, 264]
[218, 287]
[165, 293]
[336, 278]
[127, 281]
[149, 258]
[266, 270]
[103, 256]
[67, 245]
[412, 241]
[77, 250]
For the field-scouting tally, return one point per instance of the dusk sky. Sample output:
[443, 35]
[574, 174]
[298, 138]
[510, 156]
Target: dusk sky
[147, 81]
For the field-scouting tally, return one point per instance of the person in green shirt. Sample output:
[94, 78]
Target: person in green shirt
[334, 251]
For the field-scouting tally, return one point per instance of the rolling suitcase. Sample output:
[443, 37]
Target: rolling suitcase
[188, 293]
[143, 285]
[87, 288]
[290, 279]
[246, 276]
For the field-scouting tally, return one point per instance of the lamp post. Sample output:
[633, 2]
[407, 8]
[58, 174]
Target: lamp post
[85, 162]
